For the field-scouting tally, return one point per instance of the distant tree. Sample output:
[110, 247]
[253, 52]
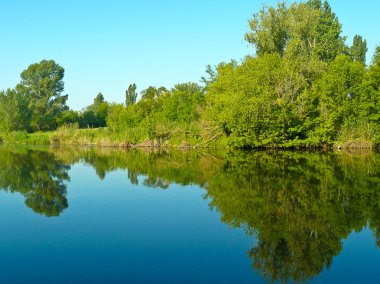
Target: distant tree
[99, 99]
[152, 92]
[42, 85]
[95, 115]
[359, 49]
[131, 95]
[68, 118]
[87, 119]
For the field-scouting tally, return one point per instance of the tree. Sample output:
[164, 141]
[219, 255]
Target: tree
[99, 99]
[211, 76]
[42, 85]
[371, 89]
[68, 118]
[359, 49]
[376, 56]
[117, 118]
[260, 102]
[340, 97]
[269, 30]
[152, 93]
[308, 29]
[131, 95]
[328, 40]
[95, 114]
[14, 113]
[184, 103]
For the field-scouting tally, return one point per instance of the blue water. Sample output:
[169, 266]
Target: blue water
[114, 231]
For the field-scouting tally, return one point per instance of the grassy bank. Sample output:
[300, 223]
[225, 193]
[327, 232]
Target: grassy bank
[85, 137]
[191, 137]
[105, 137]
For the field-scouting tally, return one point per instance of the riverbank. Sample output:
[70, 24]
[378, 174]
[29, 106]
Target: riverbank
[104, 137]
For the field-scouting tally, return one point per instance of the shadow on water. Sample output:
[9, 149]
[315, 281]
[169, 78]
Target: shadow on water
[299, 206]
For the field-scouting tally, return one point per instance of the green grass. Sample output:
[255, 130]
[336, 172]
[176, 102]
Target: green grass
[357, 135]
[353, 135]
[22, 137]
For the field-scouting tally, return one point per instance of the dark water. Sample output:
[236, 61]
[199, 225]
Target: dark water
[105, 215]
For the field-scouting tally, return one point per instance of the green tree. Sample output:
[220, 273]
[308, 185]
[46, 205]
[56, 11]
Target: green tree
[68, 118]
[99, 99]
[340, 96]
[376, 56]
[42, 85]
[131, 95]
[153, 93]
[261, 102]
[269, 30]
[308, 29]
[117, 118]
[95, 115]
[370, 89]
[183, 104]
[359, 49]
[211, 74]
[14, 112]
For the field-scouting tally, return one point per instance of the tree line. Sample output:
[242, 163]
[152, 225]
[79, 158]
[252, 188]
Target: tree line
[305, 86]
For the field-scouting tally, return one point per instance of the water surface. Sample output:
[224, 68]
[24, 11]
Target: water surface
[74, 215]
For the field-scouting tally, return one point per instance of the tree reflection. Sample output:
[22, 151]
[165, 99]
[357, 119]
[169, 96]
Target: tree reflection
[298, 206]
[38, 176]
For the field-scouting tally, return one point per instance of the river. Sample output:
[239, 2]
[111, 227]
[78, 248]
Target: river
[75, 215]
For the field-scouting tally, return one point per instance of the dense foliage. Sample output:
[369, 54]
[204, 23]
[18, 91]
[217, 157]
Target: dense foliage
[158, 113]
[303, 87]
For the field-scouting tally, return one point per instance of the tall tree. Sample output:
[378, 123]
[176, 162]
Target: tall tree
[131, 95]
[269, 30]
[329, 41]
[308, 29]
[42, 85]
[359, 49]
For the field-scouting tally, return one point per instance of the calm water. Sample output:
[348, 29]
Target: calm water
[104, 215]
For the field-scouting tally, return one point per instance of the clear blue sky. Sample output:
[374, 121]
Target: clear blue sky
[106, 45]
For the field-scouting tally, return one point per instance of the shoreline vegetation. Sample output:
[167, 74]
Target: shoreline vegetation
[103, 137]
[305, 88]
